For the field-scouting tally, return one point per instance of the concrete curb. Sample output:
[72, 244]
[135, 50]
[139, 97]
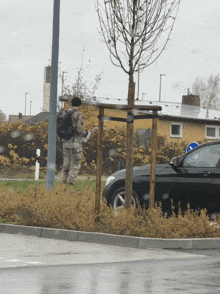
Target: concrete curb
[116, 240]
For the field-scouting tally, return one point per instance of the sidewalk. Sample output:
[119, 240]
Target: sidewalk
[108, 239]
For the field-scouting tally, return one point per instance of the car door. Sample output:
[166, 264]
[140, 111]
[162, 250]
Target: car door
[196, 180]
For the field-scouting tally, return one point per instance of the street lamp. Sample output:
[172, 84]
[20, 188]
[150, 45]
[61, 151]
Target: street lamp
[25, 102]
[30, 107]
[63, 72]
[62, 76]
[138, 83]
[138, 71]
[161, 75]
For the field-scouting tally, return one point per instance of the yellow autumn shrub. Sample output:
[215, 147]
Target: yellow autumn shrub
[20, 141]
[74, 209]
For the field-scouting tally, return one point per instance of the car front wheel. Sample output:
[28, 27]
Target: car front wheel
[118, 198]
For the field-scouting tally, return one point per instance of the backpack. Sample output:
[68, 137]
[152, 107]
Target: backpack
[66, 129]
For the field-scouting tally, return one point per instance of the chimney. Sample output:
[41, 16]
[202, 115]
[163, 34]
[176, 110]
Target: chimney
[190, 99]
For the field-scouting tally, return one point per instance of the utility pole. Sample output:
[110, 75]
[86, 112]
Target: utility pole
[25, 102]
[30, 107]
[51, 154]
[161, 75]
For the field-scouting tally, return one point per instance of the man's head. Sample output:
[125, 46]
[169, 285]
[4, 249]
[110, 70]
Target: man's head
[76, 101]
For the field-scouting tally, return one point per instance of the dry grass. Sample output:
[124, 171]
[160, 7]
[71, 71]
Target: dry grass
[74, 209]
[20, 173]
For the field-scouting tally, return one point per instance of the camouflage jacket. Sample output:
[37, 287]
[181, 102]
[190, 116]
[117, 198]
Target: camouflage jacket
[76, 141]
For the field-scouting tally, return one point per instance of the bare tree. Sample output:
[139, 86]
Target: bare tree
[135, 32]
[131, 30]
[81, 87]
[209, 90]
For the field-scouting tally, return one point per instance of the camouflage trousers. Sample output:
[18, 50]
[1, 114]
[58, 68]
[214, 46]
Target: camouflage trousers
[71, 165]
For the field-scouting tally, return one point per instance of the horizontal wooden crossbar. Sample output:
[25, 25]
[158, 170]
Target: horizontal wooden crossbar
[129, 107]
[112, 118]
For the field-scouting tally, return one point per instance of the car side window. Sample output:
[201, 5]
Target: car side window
[208, 156]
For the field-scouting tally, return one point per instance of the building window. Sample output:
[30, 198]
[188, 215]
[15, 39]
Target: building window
[176, 130]
[212, 132]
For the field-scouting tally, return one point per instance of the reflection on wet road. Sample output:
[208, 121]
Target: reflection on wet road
[32, 265]
[152, 276]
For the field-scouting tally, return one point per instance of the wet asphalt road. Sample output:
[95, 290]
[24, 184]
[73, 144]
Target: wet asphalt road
[166, 276]
[31, 265]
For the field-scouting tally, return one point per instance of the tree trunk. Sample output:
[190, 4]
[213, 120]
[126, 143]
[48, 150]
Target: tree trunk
[129, 148]
[153, 163]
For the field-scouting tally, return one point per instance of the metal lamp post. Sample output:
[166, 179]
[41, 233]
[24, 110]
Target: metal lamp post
[25, 102]
[161, 75]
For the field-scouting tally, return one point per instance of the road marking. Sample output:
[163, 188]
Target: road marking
[34, 262]
[13, 260]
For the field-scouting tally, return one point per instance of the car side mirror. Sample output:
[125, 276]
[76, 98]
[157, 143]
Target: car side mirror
[174, 162]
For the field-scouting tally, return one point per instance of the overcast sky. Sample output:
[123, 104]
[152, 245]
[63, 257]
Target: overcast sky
[26, 39]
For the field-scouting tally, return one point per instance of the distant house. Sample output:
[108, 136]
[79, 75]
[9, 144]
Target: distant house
[28, 119]
[42, 116]
[20, 118]
[186, 121]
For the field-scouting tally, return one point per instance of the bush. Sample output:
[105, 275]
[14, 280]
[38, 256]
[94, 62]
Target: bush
[74, 210]
[20, 141]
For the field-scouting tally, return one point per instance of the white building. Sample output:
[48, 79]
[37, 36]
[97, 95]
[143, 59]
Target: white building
[47, 80]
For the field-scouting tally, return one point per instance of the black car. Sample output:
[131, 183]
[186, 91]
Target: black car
[193, 178]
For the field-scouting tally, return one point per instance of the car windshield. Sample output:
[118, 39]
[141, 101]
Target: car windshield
[208, 156]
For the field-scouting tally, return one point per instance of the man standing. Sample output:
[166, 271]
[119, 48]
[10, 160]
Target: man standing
[72, 148]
